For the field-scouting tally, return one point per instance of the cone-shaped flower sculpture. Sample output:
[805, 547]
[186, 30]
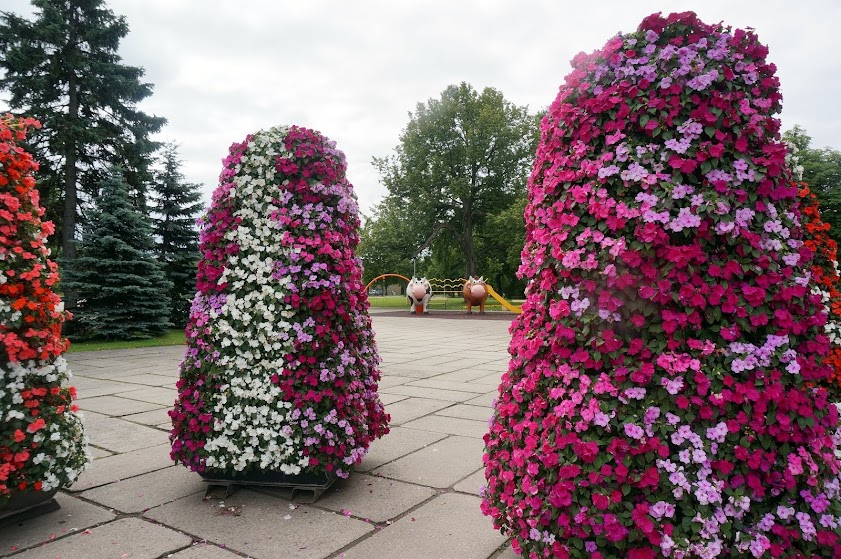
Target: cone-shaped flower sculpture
[42, 442]
[280, 373]
[664, 395]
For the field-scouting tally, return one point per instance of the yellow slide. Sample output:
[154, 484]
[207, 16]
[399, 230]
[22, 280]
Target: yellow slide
[502, 301]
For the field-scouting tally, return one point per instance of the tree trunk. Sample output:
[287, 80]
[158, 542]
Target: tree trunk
[467, 235]
[68, 226]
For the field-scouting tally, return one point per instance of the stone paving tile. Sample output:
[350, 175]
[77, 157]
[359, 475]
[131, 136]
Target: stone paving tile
[508, 553]
[74, 516]
[98, 452]
[120, 436]
[154, 395]
[430, 393]
[485, 399]
[472, 483]
[374, 498]
[127, 537]
[123, 466]
[450, 426]
[387, 399]
[204, 551]
[451, 526]
[413, 370]
[448, 385]
[465, 411]
[115, 406]
[399, 442]
[393, 380]
[93, 388]
[260, 525]
[413, 408]
[152, 417]
[464, 375]
[148, 490]
[493, 379]
[438, 465]
[148, 379]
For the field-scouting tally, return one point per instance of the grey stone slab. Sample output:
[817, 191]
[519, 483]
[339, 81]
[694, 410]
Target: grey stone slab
[204, 551]
[448, 385]
[412, 408]
[74, 515]
[430, 393]
[146, 491]
[438, 465]
[154, 395]
[374, 498]
[115, 405]
[95, 388]
[465, 375]
[150, 379]
[465, 411]
[399, 442]
[473, 483]
[508, 553]
[450, 426]
[120, 436]
[123, 466]
[493, 379]
[451, 526]
[393, 380]
[391, 398]
[127, 537]
[301, 531]
[486, 399]
[98, 452]
[153, 417]
[413, 371]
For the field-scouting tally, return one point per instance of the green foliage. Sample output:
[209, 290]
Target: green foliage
[176, 205]
[63, 69]
[822, 172]
[122, 291]
[461, 159]
[387, 241]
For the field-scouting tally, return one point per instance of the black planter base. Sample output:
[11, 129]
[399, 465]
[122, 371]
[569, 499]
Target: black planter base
[24, 506]
[308, 483]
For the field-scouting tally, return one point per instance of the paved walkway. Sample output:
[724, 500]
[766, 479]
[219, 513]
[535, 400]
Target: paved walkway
[413, 497]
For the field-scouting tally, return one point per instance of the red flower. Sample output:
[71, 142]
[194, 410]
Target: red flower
[36, 425]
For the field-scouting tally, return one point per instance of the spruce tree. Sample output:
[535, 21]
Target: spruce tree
[122, 291]
[176, 206]
[62, 67]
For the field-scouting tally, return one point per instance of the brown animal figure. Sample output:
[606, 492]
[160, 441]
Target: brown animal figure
[475, 292]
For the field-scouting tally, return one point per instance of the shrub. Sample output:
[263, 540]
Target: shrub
[664, 394]
[42, 443]
[281, 367]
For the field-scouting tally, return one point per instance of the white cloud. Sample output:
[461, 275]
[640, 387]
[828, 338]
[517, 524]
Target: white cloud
[353, 70]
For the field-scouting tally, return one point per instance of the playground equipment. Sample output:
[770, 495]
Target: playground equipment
[451, 288]
[475, 292]
[419, 292]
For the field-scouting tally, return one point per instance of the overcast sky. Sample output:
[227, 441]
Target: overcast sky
[354, 70]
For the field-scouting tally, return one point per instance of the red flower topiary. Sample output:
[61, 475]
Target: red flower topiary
[666, 393]
[42, 444]
[826, 275]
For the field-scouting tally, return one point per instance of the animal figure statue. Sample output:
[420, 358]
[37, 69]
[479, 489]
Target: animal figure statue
[419, 292]
[475, 292]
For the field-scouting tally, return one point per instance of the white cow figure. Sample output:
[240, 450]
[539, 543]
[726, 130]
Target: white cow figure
[419, 292]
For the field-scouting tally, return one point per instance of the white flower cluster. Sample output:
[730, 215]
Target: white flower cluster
[60, 442]
[251, 328]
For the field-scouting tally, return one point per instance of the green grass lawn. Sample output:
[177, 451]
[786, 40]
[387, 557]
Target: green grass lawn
[437, 302]
[172, 337]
